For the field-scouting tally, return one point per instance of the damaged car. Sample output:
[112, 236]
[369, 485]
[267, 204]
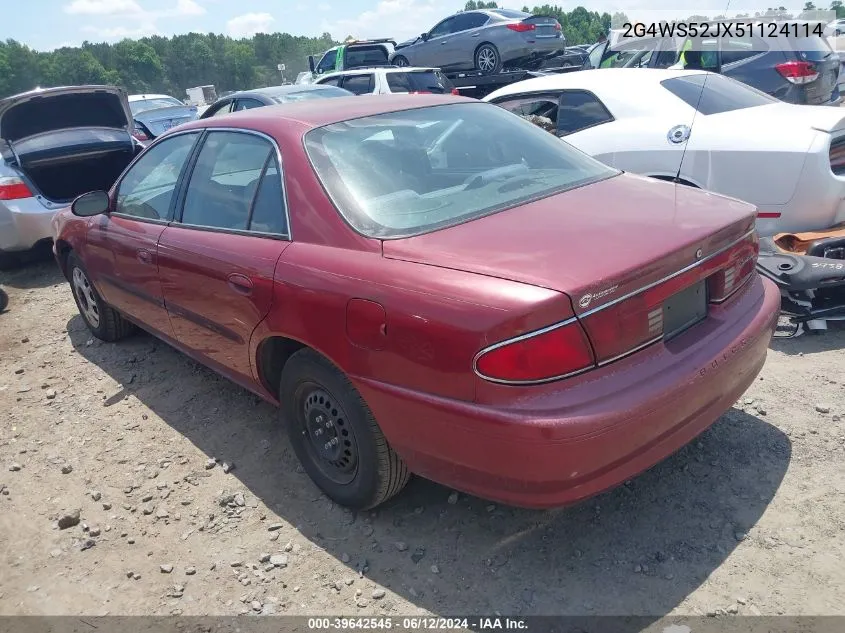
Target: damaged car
[56, 144]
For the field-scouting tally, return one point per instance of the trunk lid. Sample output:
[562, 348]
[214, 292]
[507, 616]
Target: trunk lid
[47, 110]
[159, 120]
[596, 244]
[544, 26]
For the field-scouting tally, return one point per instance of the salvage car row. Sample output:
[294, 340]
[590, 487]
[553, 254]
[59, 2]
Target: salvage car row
[430, 284]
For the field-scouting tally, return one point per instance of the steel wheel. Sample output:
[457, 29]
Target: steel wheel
[331, 439]
[487, 59]
[86, 299]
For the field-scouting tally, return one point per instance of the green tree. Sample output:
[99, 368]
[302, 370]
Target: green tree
[839, 8]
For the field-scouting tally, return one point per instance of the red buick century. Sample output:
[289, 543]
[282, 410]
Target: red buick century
[431, 285]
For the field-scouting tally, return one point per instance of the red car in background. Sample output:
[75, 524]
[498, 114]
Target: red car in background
[431, 285]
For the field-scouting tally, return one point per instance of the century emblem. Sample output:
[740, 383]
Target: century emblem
[698, 253]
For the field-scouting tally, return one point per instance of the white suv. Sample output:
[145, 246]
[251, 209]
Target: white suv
[390, 80]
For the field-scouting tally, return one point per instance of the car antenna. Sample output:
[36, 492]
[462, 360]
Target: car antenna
[697, 104]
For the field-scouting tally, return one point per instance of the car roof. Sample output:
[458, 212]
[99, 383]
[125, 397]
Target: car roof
[277, 91]
[373, 69]
[149, 96]
[623, 80]
[320, 112]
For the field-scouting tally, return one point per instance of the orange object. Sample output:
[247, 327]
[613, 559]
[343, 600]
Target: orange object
[798, 243]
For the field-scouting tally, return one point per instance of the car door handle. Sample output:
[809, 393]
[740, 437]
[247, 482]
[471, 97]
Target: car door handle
[476, 35]
[240, 283]
[144, 256]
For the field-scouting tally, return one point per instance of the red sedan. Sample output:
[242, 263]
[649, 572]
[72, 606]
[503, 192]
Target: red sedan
[432, 285]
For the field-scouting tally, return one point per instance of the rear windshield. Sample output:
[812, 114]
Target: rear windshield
[713, 94]
[812, 49]
[366, 56]
[153, 104]
[305, 95]
[419, 81]
[411, 172]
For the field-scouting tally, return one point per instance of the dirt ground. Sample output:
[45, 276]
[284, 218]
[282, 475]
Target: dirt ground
[748, 519]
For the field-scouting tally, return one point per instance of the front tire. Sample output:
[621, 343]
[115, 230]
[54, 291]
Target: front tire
[487, 59]
[335, 436]
[105, 322]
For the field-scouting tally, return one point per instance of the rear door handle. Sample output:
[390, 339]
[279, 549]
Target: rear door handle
[240, 284]
[144, 256]
[476, 35]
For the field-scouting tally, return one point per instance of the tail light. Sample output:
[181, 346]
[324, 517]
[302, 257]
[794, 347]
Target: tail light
[549, 354]
[456, 92]
[522, 27]
[837, 156]
[733, 276]
[13, 188]
[557, 26]
[139, 134]
[798, 72]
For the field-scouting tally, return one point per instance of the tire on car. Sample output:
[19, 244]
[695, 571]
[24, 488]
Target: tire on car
[106, 323]
[487, 59]
[335, 436]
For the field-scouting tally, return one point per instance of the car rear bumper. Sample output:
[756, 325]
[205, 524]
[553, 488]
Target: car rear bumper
[24, 223]
[579, 437]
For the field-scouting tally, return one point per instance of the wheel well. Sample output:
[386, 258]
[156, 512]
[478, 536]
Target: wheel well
[63, 250]
[272, 356]
[678, 180]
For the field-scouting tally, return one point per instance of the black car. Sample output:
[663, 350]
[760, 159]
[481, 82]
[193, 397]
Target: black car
[260, 97]
[573, 56]
[802, 70]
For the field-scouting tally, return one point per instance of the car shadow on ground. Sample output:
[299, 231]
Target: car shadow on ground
[38, 272]
[639, 549]
[826, 341]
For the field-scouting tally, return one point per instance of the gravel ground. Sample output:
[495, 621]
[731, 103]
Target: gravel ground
[135, 481]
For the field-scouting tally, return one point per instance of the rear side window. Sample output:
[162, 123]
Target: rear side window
[268, 211]
[247, 104]
[331, 81]
[713, 94]
[358, 84]
[736, 49]
[225, 179]
[579, 110]
[424, 81]
[811, 49]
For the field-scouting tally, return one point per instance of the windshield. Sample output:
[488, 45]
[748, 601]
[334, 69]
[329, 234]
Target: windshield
[411, 172]
[714, 94]
[153, 104]
[305, 95]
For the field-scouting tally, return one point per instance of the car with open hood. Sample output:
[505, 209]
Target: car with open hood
[155, 114]
[55, 144]
[429, 284]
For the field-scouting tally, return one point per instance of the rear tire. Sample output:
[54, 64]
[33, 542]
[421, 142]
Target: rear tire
[105, 322]
[335, 436]
[487, 59]
[4, 300]
[401, 60]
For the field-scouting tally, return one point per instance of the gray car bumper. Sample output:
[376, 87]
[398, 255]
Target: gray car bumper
[24, 223]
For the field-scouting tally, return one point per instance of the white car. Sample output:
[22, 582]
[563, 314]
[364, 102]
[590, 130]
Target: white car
[705, 130]
[390, 80]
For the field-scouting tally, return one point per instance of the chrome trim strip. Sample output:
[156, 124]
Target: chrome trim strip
[631, 351]
[667, 278]
[522, 337]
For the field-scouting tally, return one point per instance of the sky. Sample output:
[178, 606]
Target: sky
[48, 24]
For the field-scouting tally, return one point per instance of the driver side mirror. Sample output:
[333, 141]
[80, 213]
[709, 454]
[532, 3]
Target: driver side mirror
[91, 204]
[311, 63]
[424, 37]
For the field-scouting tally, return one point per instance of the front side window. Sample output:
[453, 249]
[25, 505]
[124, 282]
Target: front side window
[327, 64]
[148, 187]
[419, 81]
[225, 179]
[223, 108]
[532, 105]
[415, 171]
[714, 94]
[444, 28]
